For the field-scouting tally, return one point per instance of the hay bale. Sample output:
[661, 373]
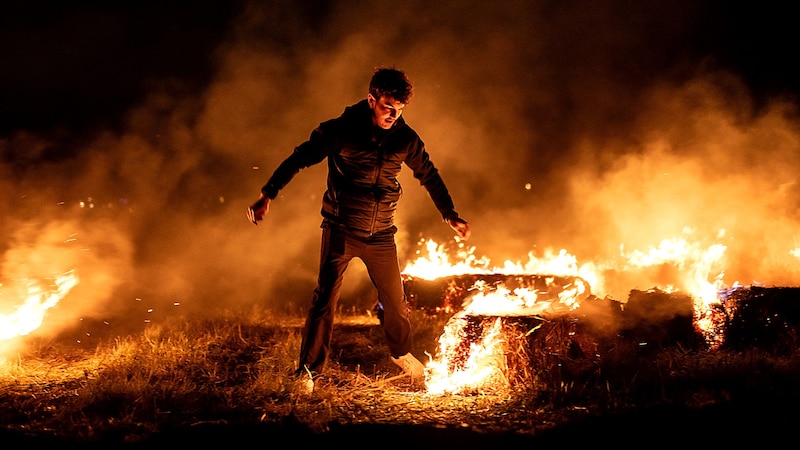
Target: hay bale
[763, 317]
[533, 347]
[655, 319]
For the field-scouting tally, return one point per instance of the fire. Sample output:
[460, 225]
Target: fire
[480, 365]
[435, 262]
[695, 264]
[38, 299]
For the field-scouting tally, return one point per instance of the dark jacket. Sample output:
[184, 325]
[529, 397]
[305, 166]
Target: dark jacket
[364, 162]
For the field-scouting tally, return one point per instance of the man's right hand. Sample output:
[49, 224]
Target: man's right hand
[258, 210]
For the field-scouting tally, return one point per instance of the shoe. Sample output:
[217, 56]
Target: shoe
[411, 366]
[304, 384]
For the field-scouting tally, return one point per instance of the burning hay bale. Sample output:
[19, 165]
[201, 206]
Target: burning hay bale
[448, 293]
[494, 354]
[763, 317]
[529, 331]
[656, 319]
[502, 339]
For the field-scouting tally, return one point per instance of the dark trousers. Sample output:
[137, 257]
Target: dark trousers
[379, 254]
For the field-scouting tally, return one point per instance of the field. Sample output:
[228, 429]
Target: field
[228, 380]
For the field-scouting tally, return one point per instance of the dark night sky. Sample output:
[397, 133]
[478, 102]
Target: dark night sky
[585, 125]
[83, 63]
[78, 64]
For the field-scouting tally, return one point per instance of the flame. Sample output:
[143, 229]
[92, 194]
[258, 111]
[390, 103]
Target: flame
[38, 300]
[435, 262]
[695, 264]
[481, 365]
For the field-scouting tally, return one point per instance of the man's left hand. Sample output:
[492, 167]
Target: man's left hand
[259, 209]
[460, 226]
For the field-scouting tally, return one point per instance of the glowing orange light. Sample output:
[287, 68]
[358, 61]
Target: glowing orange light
[436, 262]
[38, 300]
[482, 367]
[695, 263]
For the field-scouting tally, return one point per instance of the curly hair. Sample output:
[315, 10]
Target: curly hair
[392, 83]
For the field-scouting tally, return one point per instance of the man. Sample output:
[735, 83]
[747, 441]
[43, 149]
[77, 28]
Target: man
[365, 148]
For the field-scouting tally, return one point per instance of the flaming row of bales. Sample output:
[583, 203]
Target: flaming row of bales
[508, 329]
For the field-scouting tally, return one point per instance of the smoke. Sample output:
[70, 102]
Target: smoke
[706, 169]
[588, 126]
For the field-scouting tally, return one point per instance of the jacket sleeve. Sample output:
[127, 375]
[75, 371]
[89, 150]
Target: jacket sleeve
[307, 154]
[419, 161]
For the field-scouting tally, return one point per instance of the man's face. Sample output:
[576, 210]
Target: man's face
[385, 110]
